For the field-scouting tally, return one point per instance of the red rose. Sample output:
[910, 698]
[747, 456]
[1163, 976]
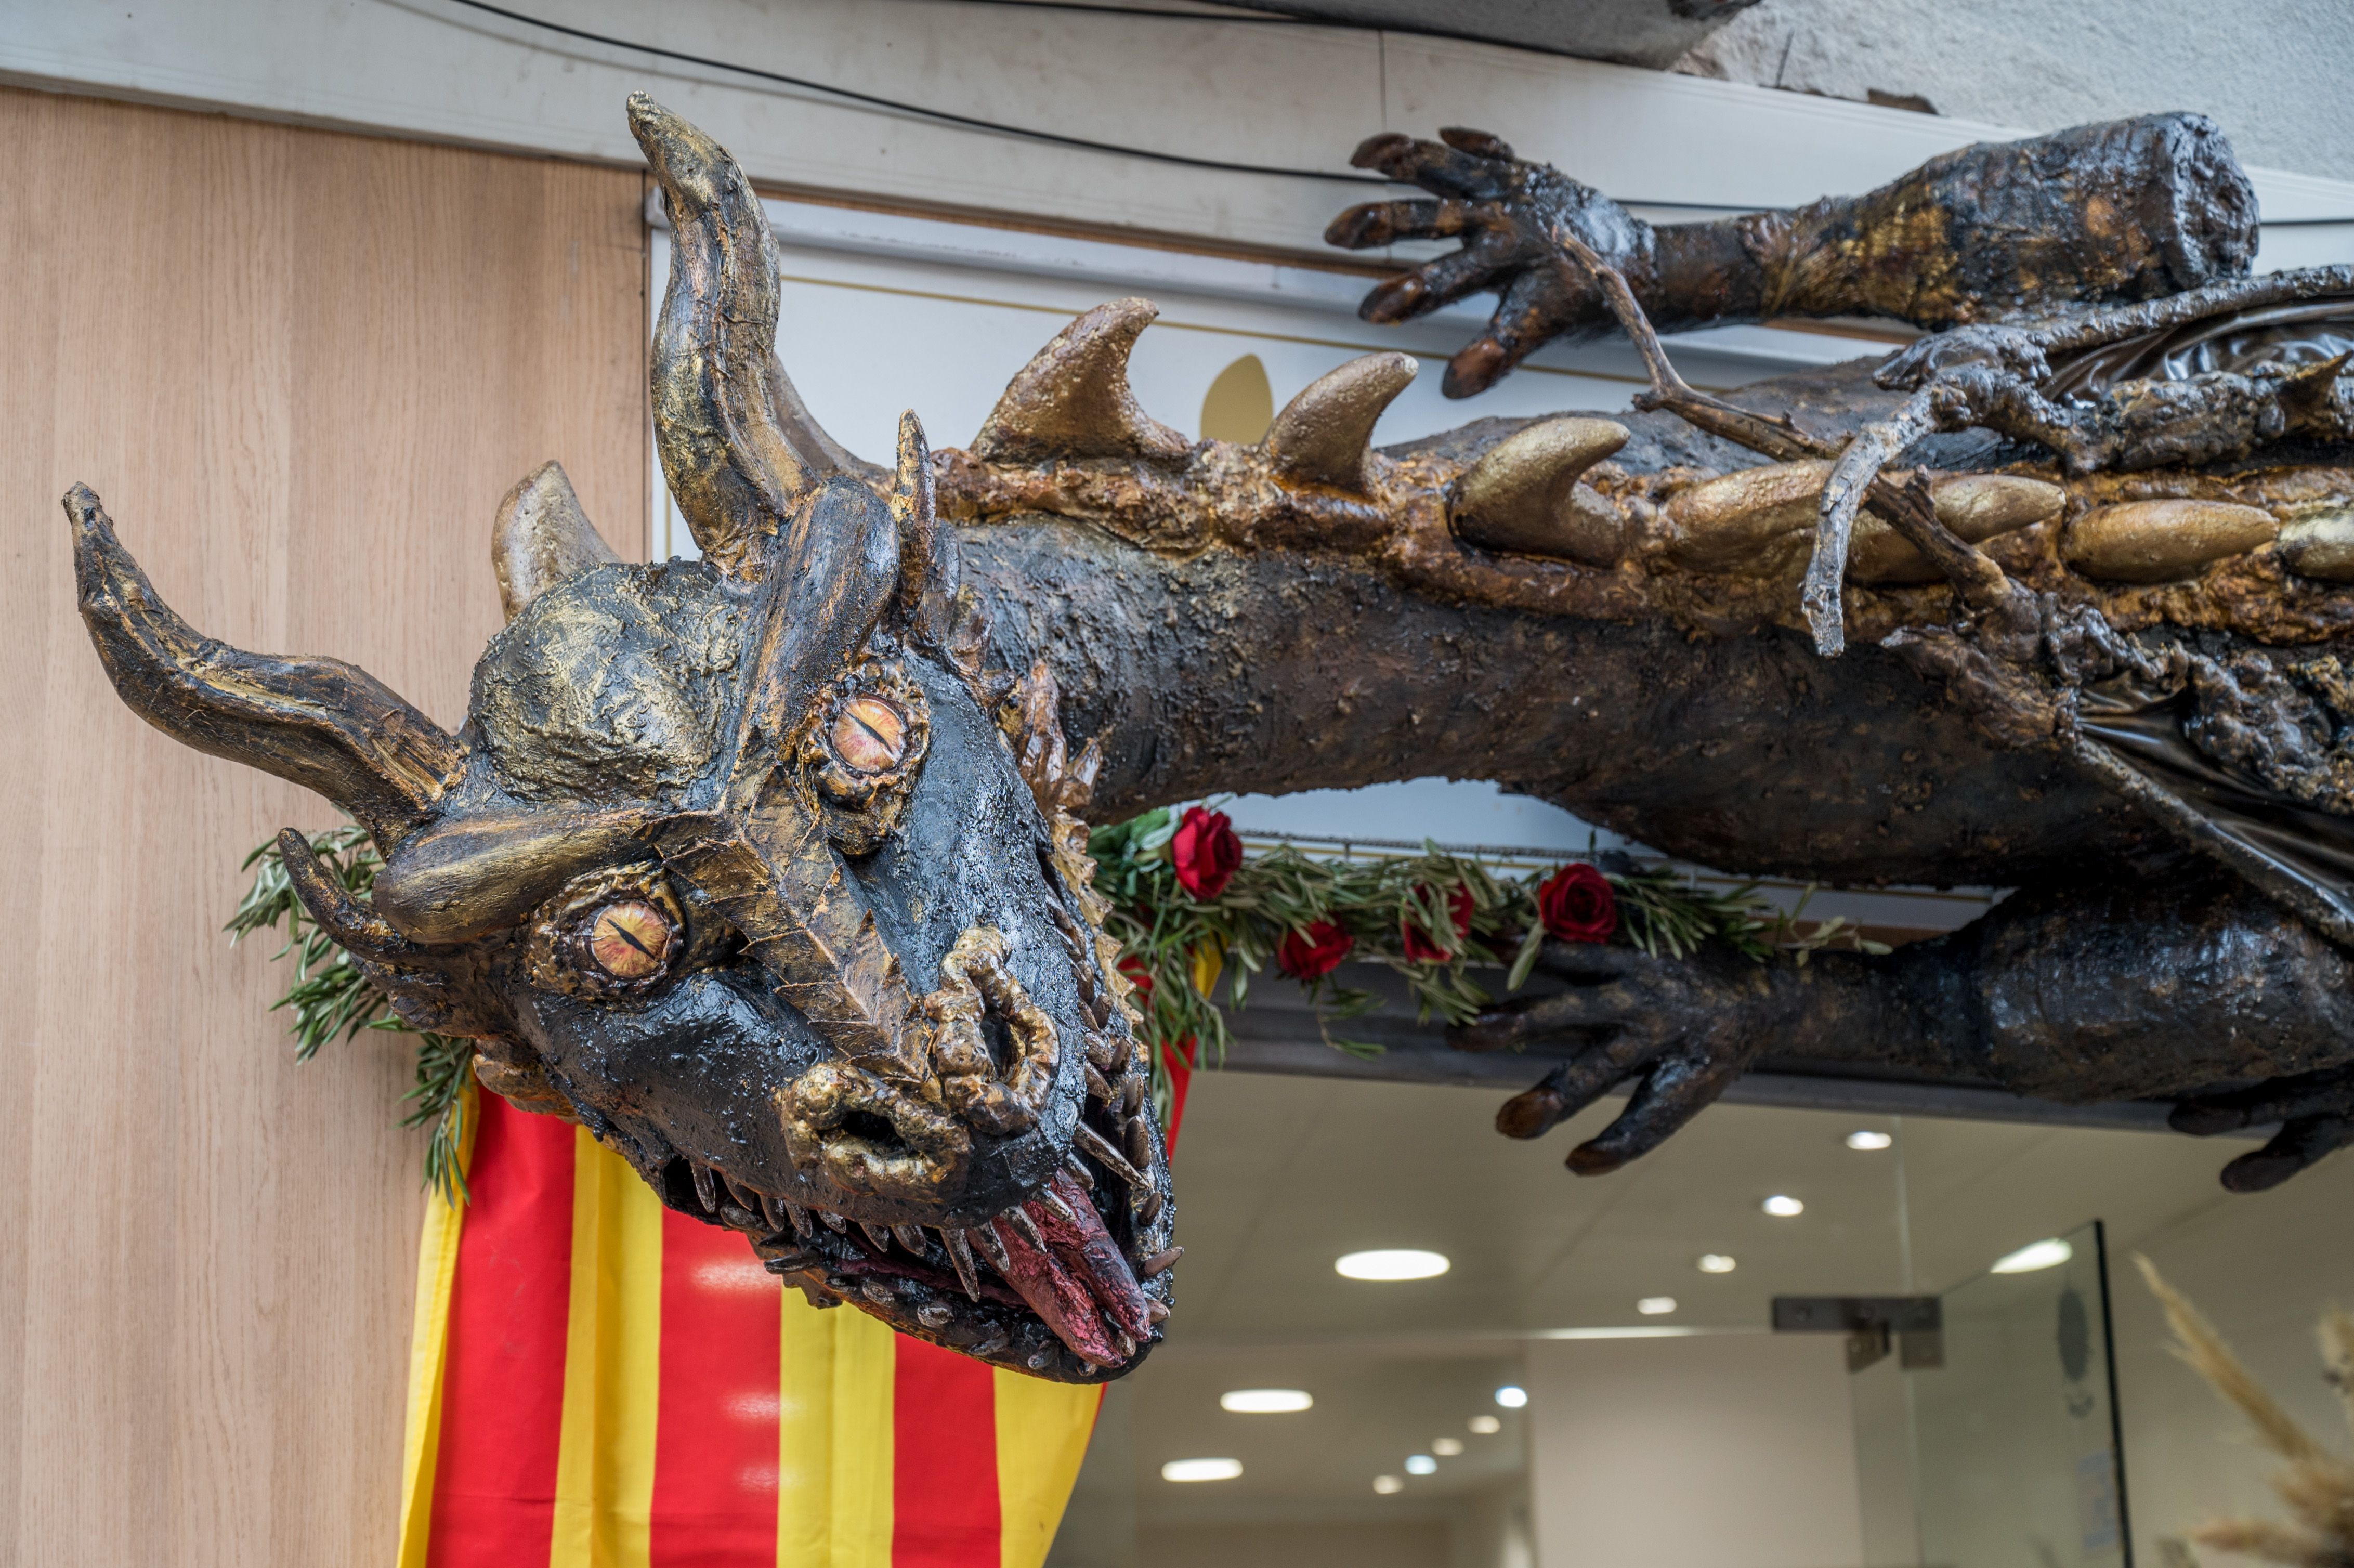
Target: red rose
[1576, 905]
[1417, 942]
[1313, 950]
[1206, 853]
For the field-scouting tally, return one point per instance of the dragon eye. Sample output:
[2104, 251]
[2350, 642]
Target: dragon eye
[869, 735]
[631, 940]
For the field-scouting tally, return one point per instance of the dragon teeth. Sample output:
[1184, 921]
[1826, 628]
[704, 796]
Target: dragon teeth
[833, 1222]
[1100, 1147]
[911, 1237]
[961, 1253]
[800, 1218]
[706, 1190]
[1022, 1222]
[993, 1246]
[879, 1235]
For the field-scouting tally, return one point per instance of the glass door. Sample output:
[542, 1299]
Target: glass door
[2016, 1436]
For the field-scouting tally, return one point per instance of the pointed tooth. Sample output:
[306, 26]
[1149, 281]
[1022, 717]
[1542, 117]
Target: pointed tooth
[1097, 1145]
[879, 1235]
[1073, 399]
[934, 1314]
[1131, 1094]
[833, 1222]
[706, 1190]
[1053, 1204]
[1159, 1263]
[961, 1253]
[1097, 1090]
[1523, 494]
[1156, 1311]
[876, 1291]
[1149, 1208]
[911, 1237]
[1119, 1338]
[745, 1197]
[1022, 1222]
[1079, 1172]
[776, 1212]
[1325, 435]
[1140, 1142]
[993, 1246]
[800, 1218]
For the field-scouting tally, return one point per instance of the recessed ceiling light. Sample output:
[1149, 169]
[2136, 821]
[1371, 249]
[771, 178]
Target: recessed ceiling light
[1447, 1447]
[1395, 1263]
[1388, 1485]
[1486, 1426]
[2050, 1253]
[1716, 1263]
[1655, 1305]
[1511, 1396]
[1782, 1206]
[1201, 1470]
[1266, 1401]
[1420, 1464]
[1867, 1140]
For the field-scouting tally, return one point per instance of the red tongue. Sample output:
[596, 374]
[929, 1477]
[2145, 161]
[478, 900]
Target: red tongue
[1060, 1300]
[1086, 1250]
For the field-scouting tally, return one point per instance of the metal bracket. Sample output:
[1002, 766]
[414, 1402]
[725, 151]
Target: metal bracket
[1916, 1325]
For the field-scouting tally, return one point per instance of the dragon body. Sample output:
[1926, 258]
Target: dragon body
[768, 867]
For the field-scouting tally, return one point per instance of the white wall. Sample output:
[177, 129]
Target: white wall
[1715, 1451]
[1297, 97]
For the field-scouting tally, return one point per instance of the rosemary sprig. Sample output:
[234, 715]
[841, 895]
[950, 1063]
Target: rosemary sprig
[332, 997]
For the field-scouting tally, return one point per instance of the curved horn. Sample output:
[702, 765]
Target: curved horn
[357, 929]
[321, 723]
[739, 447]
[928, 564]
[542, 538]
[1523, 494]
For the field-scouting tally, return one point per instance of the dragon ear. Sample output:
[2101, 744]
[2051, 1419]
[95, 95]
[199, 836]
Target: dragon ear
[738, 448]
[542, 538]
[321, 723]
[929, 565]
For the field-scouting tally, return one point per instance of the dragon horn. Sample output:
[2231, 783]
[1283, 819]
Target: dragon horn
[738, 448]
[542, 537]
[1072, 400]
[321, 723]
[928, 562]
[1325, 435]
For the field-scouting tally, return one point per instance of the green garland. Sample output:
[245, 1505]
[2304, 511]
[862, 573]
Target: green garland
[332, 997]
[1177, 946]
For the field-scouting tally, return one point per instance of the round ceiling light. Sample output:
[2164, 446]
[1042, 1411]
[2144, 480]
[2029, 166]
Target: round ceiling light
[1783, 1206]
[1447, 1447]
[1420, 1465]
[1388, 1485]
[1266, 1401]
[1201, 1470]
[1393, 1262]
[2050, 1253]
[1511, 1396]
[1486, 1426]
[1655, 1305]
[1716, 1263]
[1867, 1140]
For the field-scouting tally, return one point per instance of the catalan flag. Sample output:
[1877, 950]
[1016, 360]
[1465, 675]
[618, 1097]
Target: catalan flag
[596, 1382]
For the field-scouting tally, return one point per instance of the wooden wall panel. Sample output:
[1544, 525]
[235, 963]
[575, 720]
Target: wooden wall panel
[300, 368]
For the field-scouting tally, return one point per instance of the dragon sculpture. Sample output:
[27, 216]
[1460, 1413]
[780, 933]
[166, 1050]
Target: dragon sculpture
[767, 868]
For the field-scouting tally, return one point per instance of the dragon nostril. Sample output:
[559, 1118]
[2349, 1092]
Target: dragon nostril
[631, 941]
[873, 1128]
[869, 736]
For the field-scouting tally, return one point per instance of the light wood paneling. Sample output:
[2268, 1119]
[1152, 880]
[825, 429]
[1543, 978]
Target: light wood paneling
[300, 368]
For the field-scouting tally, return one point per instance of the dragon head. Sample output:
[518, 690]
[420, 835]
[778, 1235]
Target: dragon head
[744, 863]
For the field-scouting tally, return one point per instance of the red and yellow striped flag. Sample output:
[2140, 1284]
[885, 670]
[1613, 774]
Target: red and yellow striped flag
[596, 1382]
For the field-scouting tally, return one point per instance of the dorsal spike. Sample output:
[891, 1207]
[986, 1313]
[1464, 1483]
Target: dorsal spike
[1325, 435]
[928, 564]
[1523, 494]
[1073, 399]
[542, 538]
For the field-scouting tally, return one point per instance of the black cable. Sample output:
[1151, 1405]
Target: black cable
[940, 114]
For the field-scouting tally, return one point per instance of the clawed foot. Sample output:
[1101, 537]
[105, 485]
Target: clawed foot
[1686, 1028]
[2315, 1110]
[1504, 210]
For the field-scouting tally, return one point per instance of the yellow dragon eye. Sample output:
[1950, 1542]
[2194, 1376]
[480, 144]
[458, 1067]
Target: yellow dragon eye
[869, 735]
[631, 940]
